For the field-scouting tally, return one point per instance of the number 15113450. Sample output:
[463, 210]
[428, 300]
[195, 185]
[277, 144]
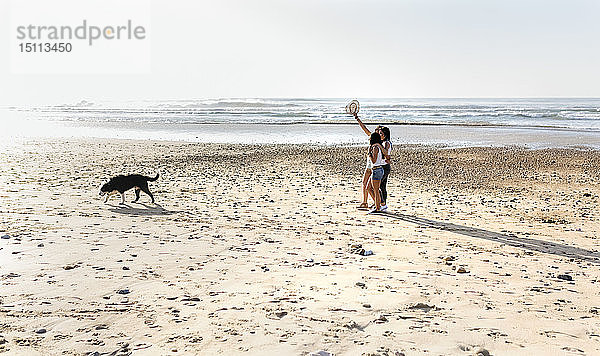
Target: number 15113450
[45, 47]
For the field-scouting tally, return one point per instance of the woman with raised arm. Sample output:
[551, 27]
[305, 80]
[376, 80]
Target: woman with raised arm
[375, 155]
[384, 133]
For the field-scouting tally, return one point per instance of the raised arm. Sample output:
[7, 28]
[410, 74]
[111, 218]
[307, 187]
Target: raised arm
[362, 126]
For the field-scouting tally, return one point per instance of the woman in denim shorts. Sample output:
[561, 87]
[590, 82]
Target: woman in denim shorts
[377, 158]
[366, 184]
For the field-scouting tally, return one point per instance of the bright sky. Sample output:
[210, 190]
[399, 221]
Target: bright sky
[341, 48]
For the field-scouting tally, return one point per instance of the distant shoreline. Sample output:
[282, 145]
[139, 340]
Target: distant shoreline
[308, 133]
[530, 123]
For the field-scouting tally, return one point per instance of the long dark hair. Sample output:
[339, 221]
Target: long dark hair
[373, 140]
[386, 132]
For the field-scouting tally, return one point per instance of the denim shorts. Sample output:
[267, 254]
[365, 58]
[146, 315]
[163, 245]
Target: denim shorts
[377, 173]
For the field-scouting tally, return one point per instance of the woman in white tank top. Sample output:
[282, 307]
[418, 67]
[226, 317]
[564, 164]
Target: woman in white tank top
[367, 187]
[384, 132]
[376, 157]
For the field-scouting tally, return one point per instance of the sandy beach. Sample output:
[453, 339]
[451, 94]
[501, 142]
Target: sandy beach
[253, 249]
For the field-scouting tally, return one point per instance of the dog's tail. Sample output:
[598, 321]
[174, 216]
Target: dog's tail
[153, 179]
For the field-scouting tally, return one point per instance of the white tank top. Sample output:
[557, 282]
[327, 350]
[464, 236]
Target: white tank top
[389, 149]
[379, 161]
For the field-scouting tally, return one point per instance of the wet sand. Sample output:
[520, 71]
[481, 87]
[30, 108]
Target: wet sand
[253, 248]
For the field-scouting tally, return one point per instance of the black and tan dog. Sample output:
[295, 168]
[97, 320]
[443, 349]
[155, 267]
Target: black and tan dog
[120, 184]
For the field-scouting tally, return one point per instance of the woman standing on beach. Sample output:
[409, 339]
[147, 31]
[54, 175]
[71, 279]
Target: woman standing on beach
[375, 155]
[384, 133]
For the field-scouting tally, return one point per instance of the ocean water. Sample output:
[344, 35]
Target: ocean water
[448, 122]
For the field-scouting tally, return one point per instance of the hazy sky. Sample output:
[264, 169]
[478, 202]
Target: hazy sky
[347, 49]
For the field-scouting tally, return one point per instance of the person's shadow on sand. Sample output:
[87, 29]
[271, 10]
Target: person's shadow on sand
[155, 209]
[509, 239]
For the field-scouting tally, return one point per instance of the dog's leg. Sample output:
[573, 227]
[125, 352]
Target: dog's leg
[123, 198]
[147, 191]
[137, 194]
[106, 199]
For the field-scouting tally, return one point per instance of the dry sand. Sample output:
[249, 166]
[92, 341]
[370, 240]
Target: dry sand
[249, 249]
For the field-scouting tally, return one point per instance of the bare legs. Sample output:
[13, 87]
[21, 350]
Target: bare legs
[365, 187]
[370, 188]
[375, 193]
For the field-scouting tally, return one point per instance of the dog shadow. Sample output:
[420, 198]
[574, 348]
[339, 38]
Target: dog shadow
[509, 239]
[155, 209]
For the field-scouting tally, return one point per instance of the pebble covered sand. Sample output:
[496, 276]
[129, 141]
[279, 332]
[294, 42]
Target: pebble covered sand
[484, 251]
